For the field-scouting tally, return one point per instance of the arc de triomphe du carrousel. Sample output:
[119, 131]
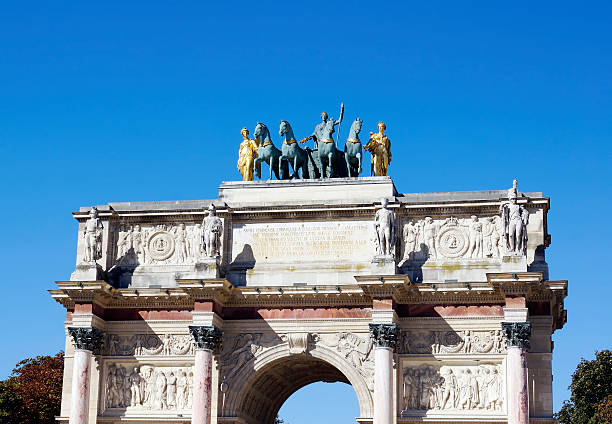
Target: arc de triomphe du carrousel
[434, 307]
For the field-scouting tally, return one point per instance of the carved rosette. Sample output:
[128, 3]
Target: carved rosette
[517, 334]
[86, 338]
[205, 336]
[384, 335]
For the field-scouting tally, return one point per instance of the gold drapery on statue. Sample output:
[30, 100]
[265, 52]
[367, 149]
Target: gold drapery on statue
[246, 156]
[380, 148]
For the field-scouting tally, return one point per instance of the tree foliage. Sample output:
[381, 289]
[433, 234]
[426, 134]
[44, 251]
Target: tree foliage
[591, 398]
[33, 392]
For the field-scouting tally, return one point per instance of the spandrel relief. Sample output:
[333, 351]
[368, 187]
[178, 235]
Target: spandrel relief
[452, 388]
[148, 344]
[136, 388]
[239, 350]
[163, 244]
[449, 342]
[357, 350]
[453, 238]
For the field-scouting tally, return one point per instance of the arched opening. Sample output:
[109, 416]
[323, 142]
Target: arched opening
[261, 395]
[321, 403]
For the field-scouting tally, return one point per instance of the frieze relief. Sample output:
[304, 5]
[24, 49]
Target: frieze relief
[477, 389]
[161, 244]
[147, 387]
[148, 344]
[445, 342]
[453, 238]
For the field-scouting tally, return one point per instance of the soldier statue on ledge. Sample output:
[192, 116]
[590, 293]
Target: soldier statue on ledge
[515, 219]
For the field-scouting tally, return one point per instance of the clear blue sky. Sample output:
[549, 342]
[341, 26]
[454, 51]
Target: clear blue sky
[145, 101]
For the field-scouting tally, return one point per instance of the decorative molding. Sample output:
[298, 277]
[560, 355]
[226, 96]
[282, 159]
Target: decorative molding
[86, 338]
[517, 334]
[205, 337]
[384, 335]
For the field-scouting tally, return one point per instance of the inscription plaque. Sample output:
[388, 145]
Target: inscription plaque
[289, 242]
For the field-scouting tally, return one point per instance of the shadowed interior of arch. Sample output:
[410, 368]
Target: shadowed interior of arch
[269, 388]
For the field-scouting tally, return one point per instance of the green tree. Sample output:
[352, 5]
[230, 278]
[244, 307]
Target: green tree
[591, 398]
[33, 392]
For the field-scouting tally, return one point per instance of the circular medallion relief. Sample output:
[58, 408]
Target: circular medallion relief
[161, 246]
[452, 242]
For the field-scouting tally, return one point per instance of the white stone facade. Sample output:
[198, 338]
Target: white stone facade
[291, 299]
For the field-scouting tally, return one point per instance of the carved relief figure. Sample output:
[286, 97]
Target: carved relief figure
[93, 237]
[124, 241]
[138, 244]
[247, 153]
[385, 229]
[380, 148]
[515, 219]
[181, 241]
[475, 238]
[411, 237]
[212, 227]
[135, 381]
[491, 238]
[429, 236]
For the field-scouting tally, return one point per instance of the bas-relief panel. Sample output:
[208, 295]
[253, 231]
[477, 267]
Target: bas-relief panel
[137, 388]
[453, 238]
[351, 241]
[451, 342]
[449, 389]
[148, 344]
[162, 244]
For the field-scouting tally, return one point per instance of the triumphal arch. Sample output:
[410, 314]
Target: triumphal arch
[434, 307]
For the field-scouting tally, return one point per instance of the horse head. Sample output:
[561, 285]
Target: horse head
[284, 128]
[260, 129]
[355, 128]
[328, 128]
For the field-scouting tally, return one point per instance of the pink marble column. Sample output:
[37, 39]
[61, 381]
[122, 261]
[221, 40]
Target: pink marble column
[206, 339]
[79, 410]
[383, 385]
[202, 387]
[385, 338]
[517, 340]
[86, 340]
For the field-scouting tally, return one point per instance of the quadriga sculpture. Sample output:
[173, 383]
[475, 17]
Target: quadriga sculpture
[292, 152]
[268, 153]
[353, 152]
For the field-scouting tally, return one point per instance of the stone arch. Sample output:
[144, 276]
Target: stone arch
[257, 392]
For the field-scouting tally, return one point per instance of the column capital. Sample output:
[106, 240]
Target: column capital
[205, 336]
[517, 333]
[86, 338]
[384, 335]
